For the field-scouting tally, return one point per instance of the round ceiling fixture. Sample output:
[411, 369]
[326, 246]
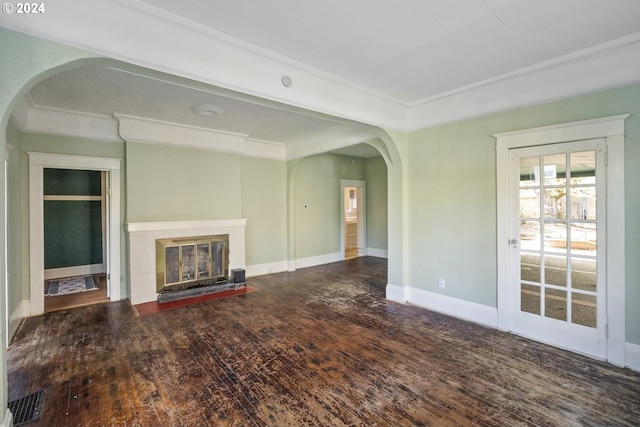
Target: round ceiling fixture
[286, 81]
[207, 110]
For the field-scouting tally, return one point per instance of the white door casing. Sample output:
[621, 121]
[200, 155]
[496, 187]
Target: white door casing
[37, 163]
[612, 130]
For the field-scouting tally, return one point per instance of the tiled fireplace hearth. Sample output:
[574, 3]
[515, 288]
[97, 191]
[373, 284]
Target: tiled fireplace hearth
[142, 248]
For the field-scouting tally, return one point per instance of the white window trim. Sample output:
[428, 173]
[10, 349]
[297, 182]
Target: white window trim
[612, 129]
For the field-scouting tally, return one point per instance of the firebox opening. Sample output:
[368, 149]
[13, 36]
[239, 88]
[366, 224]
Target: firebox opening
[190, 262]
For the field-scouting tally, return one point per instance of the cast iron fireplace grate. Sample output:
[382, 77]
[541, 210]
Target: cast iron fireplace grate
[26, 409]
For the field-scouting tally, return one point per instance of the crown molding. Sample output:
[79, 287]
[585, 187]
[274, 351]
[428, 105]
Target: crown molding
[177, 46]
[601, 67]
[140, 129]
[31, 118]
[187, 49]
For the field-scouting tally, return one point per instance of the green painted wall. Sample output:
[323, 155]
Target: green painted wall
[451, 203]
[377, 210]
[264, 204]
[166, 183]
[316, 201]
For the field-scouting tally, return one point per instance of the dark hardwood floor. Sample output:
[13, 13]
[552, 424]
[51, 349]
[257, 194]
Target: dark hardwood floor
[319, 346]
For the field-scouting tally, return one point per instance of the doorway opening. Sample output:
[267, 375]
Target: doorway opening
[107, 276]
[353, 218]
[75, 241]
[561, 258]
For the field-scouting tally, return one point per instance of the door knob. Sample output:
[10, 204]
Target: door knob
[514, 241]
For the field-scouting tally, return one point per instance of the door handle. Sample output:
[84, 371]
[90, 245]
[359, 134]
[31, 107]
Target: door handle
[514, 242]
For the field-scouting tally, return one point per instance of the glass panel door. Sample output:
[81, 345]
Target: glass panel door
[559, 291]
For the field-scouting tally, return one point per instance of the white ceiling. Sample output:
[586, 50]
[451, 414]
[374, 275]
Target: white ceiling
[401, 64]
[105, 91]
[413, 50]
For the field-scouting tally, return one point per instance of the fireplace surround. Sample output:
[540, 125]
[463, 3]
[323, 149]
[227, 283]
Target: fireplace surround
[142, 237]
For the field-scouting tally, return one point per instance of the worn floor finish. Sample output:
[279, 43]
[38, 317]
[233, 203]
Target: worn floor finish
[319, 346]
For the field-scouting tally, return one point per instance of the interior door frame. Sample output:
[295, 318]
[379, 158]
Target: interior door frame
[612, 130]
[361, 191]
[37, 163]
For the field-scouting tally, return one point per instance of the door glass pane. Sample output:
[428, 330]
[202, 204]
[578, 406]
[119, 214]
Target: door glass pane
[583, 168]
[555, 169]
[530, 267]
[555, 270]
[203, 260]
[583, 238]
[583, 309]
[530, 171]
[583, 274]
[529, 203]
[188, 262]
[530, 235]
[555, 304]
[216, 259]
[555, 203]
[172, 264]
[583, 203]
[555, 236]
[530, 299]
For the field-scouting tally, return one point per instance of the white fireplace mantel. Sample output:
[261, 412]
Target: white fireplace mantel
[142, 249]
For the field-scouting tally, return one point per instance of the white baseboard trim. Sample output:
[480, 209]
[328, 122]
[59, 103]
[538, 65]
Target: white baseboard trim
[395, 293]
[8, 419]
[21, 312]
[379, 253]
[317, 260]
[473, 312]
[267, 268]
[56, 273]
[632, 356]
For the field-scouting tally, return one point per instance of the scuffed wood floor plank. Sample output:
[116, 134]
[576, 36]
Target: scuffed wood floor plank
[319, 346]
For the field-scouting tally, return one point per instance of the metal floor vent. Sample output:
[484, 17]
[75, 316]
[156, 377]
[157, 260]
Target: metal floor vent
[26, 409]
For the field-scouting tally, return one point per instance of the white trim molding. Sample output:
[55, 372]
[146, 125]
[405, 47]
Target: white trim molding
[21, 312]
[56, 121]
[378, 253]
[8, 419]
[56, 273]
[466, 310]
[396, 293]
[612, 130]
[312, 261]
[140, 129]
[132, 227]
[632, 356]
[610, 64]
[37, 163]
[266, 268]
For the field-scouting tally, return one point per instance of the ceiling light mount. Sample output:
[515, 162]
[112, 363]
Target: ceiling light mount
[207, 110]
[286, 81]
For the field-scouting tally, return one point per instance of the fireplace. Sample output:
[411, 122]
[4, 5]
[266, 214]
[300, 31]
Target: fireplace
[143, 237]
[189, 262]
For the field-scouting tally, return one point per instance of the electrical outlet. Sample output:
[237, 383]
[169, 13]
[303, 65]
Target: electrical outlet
[441, 283]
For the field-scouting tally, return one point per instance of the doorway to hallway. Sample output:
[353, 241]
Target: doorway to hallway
[353, 218]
